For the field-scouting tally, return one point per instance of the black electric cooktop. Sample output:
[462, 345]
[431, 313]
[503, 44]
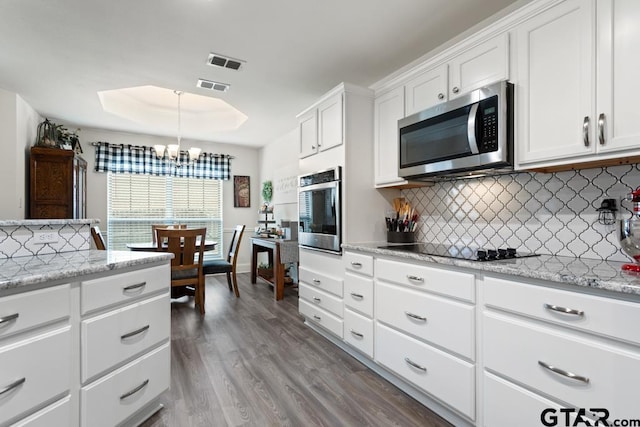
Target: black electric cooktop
[460, 252]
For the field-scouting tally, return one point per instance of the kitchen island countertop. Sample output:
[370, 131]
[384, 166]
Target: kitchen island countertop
[33, 270]
[583, 272]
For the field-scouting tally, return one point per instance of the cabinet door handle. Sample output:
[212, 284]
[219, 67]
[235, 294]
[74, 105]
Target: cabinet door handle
[357, 296]
[132, 287]
[415, 278]
[356, 264]
[456, 89]
[316, 281]
[601, 123]
[134, 333]
[317, 317]
[585, 131]
[9, 318]
[316, 299]
[135, 390]
[357, 334]
[415, 365]
[564, 310]
[563, 372]
[11, 386]
[313, 147]
[415, 316]
[441, 96]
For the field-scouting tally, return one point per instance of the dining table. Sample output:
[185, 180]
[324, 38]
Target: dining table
[209, 245]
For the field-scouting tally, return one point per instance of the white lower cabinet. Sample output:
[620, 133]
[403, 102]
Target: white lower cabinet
[358, 332]
[328, 321]
[56, 414]
[446, 377]
[113, 398]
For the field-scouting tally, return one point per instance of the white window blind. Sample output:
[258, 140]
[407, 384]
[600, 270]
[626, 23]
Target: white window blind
[135, 202]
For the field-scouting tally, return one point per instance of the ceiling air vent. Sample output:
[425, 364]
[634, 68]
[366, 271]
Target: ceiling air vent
[211, 85]
[224, 61]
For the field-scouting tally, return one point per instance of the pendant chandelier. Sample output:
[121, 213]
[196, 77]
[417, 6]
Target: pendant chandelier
[172, 151]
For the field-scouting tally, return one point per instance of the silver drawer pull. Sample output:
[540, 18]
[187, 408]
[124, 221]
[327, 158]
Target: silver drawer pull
[415, 278]
[135, 390]
[316, 281]
[415, 316]
[356, 264]
[563, 372]
[357, 296]
[9, 318]
[317, 317]
[11, 386]
[415, 365]
[132, 287]
[316, 299]
[357, 334]
[134, 333]
[585, 131]
[564, 310]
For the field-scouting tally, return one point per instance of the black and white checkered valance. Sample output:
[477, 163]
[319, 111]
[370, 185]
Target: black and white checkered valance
[138, 159]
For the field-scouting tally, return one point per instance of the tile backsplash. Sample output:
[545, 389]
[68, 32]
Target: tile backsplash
[551, 213]
[20, 238]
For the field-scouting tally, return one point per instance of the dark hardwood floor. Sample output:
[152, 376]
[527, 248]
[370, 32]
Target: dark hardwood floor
[251, 361]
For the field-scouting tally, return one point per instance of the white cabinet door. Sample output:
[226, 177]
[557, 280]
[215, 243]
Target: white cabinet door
[330, 129]
[388, 109]
[308, 133]
[618, 85]
[479, 66]
[555, 96]
[426, 90]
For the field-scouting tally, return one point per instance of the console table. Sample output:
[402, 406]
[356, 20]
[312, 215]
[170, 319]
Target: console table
[280, 252]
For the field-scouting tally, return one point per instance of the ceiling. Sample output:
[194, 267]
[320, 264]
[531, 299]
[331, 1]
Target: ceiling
[59, 54]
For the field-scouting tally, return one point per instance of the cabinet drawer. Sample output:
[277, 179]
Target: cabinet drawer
[445, 323]
[44, 362]
[440, 374]
[603, 316]
[514, 349]
[104, 340]
[321, 299]
[358, 293]
[360, 263]
[124, 287]
[358, 332]
[523, 410]
[31, 309]
[450, 283]
[56, 414]
[321, 281]
[105, 402]
[321, 317]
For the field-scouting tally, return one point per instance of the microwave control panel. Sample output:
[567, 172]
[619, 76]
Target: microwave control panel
[488, 115]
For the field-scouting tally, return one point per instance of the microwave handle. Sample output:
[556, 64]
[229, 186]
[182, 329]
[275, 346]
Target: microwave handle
[471, 129]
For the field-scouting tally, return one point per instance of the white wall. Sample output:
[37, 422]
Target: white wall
[244, 163]
[19, 124]
[279, 163]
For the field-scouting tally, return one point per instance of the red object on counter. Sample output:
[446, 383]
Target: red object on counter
[631, 267]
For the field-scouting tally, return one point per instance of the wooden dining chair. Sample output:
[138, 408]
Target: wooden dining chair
[98, 240]
[228, 266]
[186, 265]
[154, 227]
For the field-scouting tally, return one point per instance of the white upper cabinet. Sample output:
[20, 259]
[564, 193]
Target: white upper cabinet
[618, 87]
[555, 97]
[330, 132]
[577, 84]
[321, 127]
[426, 90]
[388, 109]
[479, 66]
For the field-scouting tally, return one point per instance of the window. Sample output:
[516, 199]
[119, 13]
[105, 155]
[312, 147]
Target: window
[135, 202]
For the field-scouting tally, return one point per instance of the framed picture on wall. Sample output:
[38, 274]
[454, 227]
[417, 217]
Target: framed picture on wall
[241, 191]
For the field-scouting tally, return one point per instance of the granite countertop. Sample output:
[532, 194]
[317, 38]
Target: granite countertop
[31, 270]
[590, 273]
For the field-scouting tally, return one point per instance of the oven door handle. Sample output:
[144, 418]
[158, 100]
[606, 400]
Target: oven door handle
[471, 129]
[321, 186]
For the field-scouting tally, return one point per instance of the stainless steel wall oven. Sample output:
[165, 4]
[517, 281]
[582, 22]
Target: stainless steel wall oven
[319, 209]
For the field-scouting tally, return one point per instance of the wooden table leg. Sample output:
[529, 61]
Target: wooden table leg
[278, 288]
[254, 262]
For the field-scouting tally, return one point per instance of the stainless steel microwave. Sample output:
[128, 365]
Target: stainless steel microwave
[468, 135]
